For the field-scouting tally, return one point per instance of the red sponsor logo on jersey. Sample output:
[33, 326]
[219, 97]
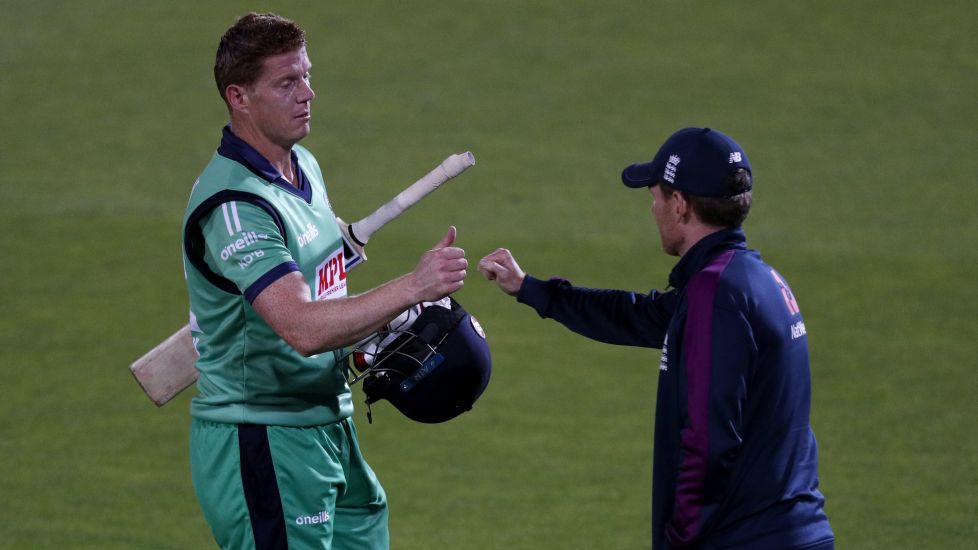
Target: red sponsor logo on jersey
[331, 277]
[789, 297]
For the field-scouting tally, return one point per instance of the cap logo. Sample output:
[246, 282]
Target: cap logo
[670, 172]
[735, 157]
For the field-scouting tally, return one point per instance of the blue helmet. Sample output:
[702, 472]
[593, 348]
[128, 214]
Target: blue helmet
[432, 362]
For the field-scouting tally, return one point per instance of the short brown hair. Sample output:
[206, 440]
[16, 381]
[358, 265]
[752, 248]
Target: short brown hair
[248, 42]
[730, 211]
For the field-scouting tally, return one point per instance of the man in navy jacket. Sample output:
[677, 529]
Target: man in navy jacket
[735, 461]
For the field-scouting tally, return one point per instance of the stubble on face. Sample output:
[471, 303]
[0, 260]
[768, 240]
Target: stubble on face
[282, 97]
[665, 221]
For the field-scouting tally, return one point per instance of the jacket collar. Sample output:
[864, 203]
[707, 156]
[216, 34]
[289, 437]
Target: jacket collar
[705, 250]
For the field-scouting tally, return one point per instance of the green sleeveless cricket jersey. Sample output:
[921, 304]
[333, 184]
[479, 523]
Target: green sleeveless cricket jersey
[245, 227]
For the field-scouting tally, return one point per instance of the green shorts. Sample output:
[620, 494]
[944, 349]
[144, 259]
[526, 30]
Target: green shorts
[264, 487]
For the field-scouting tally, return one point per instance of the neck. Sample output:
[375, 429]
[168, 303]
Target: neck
[277, 155]
[694, 234]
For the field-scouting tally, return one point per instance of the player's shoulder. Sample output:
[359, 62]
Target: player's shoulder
[223, 182]
[730, 274]
[743, 267]
[748, 277]
[223, 173]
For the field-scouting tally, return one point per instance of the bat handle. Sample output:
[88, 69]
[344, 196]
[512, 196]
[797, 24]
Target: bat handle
[456, 164]
[448, 169]
[353, 235]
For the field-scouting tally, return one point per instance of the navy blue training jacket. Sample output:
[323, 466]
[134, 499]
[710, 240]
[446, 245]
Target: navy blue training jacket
[735, 461]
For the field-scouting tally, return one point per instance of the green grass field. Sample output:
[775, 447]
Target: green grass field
[860, 120]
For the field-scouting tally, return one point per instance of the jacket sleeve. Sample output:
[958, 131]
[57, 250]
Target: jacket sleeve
[611, 316]
[719, 352]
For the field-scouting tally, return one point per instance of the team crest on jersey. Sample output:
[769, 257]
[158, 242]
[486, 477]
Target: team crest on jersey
[331, 277]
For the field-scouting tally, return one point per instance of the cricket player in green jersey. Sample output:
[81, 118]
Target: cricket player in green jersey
[274, 454]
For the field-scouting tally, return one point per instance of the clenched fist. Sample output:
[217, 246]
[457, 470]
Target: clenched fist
[500, 266]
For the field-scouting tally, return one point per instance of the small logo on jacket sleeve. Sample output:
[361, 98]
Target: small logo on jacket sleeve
[798, 330]
[664, 358]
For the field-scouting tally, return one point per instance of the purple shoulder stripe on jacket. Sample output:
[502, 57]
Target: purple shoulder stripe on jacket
[695, 441]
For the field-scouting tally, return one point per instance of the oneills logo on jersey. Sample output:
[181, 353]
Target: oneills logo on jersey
[331, 277]
[242, 239]
[308, 235]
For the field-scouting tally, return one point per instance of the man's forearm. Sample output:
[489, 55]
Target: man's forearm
[611, 316]
[313, 327]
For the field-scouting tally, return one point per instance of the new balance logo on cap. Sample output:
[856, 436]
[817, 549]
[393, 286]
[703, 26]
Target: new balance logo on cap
[735, 157]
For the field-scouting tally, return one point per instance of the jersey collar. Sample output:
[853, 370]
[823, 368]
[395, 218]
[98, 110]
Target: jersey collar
[705, 250]
[236, 149]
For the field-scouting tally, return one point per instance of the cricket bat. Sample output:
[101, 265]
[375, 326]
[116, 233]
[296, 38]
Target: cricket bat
[170, 367]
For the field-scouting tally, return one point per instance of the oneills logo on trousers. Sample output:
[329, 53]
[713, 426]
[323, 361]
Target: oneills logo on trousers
[321, 517]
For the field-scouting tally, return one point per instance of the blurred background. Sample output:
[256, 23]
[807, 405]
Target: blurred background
[860, 121]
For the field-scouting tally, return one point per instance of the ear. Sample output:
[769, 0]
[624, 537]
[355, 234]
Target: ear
[237, 97]
[681, 207]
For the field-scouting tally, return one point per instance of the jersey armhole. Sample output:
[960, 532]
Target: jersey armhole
[268, 278]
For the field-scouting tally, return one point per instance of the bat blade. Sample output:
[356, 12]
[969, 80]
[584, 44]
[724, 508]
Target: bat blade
[167, 369]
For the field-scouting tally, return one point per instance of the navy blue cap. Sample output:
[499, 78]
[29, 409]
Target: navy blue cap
[693, 160]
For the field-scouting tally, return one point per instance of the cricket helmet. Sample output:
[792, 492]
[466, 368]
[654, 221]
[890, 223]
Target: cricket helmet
[432, 362]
